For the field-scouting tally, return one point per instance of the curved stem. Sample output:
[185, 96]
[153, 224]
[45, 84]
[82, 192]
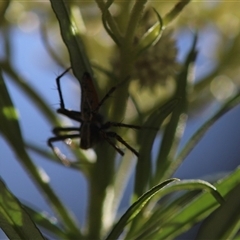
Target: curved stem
[109, 19]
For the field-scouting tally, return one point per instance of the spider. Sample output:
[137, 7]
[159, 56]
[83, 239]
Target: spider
[92, 129]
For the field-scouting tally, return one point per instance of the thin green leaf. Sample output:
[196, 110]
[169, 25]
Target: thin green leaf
[175, 11]
[230, 104]
[176, 186]
[132, 212]
[151, 37]
[30, 92]
[147, 136]
[109, 22]
[224, 222]
[163, 212]
[175, 127]
[105, 17]
[197, 210]
[10, 129]
[179, 186]
[71, 37]
[9, 118]
[44, 220]
[14, 220]
[195, 184]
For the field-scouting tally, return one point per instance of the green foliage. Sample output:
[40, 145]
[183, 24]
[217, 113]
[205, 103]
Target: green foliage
[14, 220]
[156, 211]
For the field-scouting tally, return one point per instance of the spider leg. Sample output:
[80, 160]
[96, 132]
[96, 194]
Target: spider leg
[58, 130]
[59, 87]
[105, 98]
[108, 94]
[56, 150]
[106, 137]
[116, 124]
[118, 138]
[74, 115]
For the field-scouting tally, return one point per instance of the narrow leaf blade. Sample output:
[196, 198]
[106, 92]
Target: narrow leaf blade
[197, 210]
[143, 168]
[14, 220]
[71, 37]
[136, 208]
[224, 222]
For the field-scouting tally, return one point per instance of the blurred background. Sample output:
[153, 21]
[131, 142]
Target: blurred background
[32, 54]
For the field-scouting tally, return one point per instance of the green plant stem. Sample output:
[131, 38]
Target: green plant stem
[104, 168]
[101, 178]
[134, 19]
[126, 60]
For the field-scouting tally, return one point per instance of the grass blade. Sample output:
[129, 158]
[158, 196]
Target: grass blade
[147, 136]
[132, 212]
[71, 38]
[14, 220]
[223, 223]
[197, 210]
[175, 11]
[151, 37]
[30, 92]
[10, 129]
[174, 129]
[230, 104]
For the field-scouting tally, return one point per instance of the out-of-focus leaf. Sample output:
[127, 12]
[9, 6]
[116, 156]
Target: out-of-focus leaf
[109, 23]
[175, 127]
[175, 11]
[83, 164]
[224, 222]
[196, 211]
[151, 37]
[105, 17]
[163, 214]
[120, 182]
[71, 37]
[231, 103]
[44, 220]
[147, 136]
[195, 184]
[132, 212]
[9, 126]
[30, 92]
[237, 237]
[10, 129]
[3, 8]
[14, 220]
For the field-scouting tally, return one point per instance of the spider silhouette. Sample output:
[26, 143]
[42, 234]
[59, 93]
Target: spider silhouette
[92, 129]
